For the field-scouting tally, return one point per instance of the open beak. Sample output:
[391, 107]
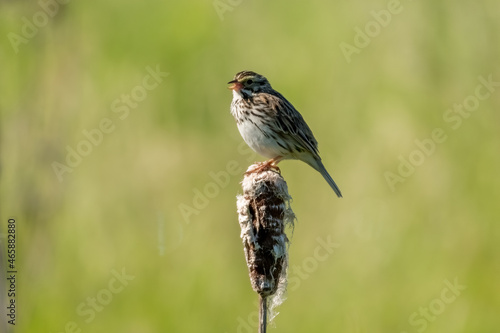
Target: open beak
[234, 85]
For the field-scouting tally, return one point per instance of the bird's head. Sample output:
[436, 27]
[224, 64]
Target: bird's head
[247, 83]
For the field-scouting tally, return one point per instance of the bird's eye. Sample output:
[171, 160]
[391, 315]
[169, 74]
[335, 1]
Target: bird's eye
[249, 81]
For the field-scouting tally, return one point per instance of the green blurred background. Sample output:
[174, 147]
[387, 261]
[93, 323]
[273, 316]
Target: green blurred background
[132, 202]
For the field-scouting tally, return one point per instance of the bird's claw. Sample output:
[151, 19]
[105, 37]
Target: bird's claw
[264, 166]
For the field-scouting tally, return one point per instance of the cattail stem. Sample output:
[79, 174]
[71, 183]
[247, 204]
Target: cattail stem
[262, 314]
[263, 213]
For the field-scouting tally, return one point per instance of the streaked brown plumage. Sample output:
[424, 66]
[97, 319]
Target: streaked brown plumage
[271, 126]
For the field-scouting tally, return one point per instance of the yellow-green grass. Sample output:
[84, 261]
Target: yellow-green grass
[129, 204]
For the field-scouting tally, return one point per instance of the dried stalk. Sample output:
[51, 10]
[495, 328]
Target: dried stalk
[262, 314]
[264, 212]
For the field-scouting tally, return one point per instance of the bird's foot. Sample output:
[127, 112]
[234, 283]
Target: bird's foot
[265, 166]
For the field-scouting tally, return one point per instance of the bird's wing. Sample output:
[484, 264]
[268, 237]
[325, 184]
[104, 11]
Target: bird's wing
[291, 123]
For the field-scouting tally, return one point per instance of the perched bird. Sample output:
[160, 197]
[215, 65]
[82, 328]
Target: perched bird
[271, 126]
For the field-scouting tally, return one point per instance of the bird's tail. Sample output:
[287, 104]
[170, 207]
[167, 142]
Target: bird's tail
[321, 168]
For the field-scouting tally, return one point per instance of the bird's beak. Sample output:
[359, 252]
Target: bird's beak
[235, 85]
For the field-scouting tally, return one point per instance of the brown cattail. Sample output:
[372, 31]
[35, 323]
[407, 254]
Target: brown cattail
[264, 213]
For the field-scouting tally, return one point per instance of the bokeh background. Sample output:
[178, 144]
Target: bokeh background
[133, 203]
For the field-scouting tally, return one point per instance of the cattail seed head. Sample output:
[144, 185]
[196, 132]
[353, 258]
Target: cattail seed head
[264, 213]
